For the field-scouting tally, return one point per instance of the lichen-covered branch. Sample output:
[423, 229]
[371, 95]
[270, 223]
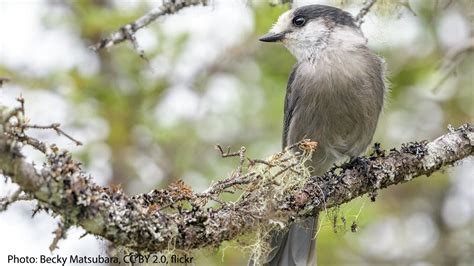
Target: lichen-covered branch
[128, 31]
[273, 192]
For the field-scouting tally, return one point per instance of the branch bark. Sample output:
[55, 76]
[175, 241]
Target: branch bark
[272, 190]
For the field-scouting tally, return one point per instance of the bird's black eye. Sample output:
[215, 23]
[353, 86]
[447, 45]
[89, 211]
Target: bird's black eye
[299, 21]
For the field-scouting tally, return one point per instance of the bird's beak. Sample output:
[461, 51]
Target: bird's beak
[272, 37]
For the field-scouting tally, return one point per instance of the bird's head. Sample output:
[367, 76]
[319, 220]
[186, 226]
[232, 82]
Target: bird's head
[310, 30]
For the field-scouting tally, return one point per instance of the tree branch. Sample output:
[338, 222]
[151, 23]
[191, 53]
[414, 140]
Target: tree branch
[128, 31]
[363, 11]
[278, 190]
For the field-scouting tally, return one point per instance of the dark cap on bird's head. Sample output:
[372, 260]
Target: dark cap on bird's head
[314, 26]
[300, 16]
[329, 13]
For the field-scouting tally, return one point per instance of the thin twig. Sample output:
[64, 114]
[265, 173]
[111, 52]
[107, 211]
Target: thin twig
[286, 169]
[228, 153]
[259, 161]
[55, 127]
[363, 11]
[128, 31]
[16, 129]
[224, 184]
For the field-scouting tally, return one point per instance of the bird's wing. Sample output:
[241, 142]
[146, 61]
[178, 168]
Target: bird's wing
[291, 99]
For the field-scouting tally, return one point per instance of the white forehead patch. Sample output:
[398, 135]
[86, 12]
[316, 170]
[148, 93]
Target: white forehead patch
[282, 23]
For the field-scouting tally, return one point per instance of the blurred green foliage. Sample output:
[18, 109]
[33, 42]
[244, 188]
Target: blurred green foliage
[126, 91]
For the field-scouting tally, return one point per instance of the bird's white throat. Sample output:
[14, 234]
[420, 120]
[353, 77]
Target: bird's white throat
[312, 47]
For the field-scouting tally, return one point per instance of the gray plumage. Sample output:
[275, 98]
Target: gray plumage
[334, 96]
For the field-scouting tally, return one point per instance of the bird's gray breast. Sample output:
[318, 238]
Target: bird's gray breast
[335, 101]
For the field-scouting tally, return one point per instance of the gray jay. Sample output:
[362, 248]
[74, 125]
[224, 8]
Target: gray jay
[334, 96]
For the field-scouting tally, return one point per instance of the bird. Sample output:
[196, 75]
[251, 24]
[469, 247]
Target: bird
[335, 95]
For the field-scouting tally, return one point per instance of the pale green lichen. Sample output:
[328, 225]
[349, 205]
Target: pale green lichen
[288, 172]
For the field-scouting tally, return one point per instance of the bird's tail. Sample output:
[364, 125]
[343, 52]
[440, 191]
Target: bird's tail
[297, 246]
